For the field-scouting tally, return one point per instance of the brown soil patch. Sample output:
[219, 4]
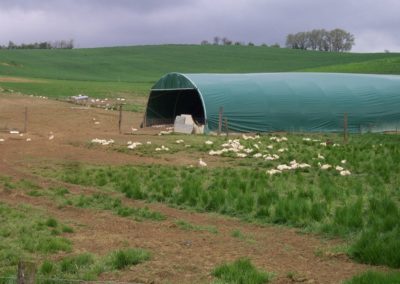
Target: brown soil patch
[178, 256]
[17, 79]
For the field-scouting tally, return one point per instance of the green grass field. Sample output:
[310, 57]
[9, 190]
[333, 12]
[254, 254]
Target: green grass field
[130, 71]
[29, 233]
[28, 238]
[361, 208]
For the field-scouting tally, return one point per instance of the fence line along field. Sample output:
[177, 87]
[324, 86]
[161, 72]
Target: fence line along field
[82, 201]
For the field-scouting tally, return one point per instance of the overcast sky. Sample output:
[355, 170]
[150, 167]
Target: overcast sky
[92, 23]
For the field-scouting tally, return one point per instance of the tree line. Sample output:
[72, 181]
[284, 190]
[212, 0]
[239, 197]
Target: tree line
[58, 44]
[217, 40]
[319, 39]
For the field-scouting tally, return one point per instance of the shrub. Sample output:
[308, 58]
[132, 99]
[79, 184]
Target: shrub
[123, 258]
[241, 271]
[60, 191]
[133, 192]
[237, 234]
[375, 247]
[47, 267]
[372, 277]
[146, 213]
[74, 263]
[51, 222]
[67, 229]
[190, 227]
[350, 216]
[51, 245]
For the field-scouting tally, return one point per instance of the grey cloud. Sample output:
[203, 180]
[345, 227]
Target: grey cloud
[95, 5]
[122, 22]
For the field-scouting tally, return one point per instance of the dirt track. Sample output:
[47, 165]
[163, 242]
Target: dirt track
[178, 256]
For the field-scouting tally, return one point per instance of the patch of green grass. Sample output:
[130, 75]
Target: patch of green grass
[240, 271]
[88, 267]
[67, 229]
[127, 257]
[375, 246]
[51, 222]
[241, 236]
[373, 277]
[7, 183]
[374, 66]
[27, 185]
[134, 107]
[105, 202]
[184, 225]
[47, 267]
[237, 234]
[83, 266]
[62, 89]
[46, 244]
[23, 235]
[32, 188]
[35, 193]
[59, 191]
[361, 208]
[100, 201]
[75, 263]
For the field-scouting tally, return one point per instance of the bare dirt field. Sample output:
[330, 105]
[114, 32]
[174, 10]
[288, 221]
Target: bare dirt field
[178, 256]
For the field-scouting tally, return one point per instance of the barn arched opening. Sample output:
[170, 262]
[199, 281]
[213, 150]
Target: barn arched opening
[164, 105]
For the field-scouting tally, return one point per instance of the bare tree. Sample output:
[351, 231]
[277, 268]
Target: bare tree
[297, 41]
[290, 41]
[67, 44]
[217, 40]
[313, 39]
[11, 45]
[326, 41]
[341, 40]
[226, 41]
[302, 40]
[336, 40]
[70, 44]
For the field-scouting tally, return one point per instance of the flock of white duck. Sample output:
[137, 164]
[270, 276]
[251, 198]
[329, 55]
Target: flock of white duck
[241, 151]
[252, 150]
[235, 147]
[28, 139]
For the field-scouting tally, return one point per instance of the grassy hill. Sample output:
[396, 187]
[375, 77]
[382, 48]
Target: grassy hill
[132, 70]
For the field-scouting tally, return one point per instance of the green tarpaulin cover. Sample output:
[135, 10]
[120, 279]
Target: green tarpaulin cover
[265, 102]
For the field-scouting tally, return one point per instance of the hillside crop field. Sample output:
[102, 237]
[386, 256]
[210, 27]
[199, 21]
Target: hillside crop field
[83, 201]
[102, 72]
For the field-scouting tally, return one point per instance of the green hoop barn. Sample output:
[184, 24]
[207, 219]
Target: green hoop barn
[268, 102]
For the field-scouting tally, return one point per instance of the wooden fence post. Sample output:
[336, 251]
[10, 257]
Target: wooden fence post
[345, 134]
[26, 120]
[120, 118]
[26, 272]
[226, 127]
[221, 110]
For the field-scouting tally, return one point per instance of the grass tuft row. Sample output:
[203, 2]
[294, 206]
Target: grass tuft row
[362, 208]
